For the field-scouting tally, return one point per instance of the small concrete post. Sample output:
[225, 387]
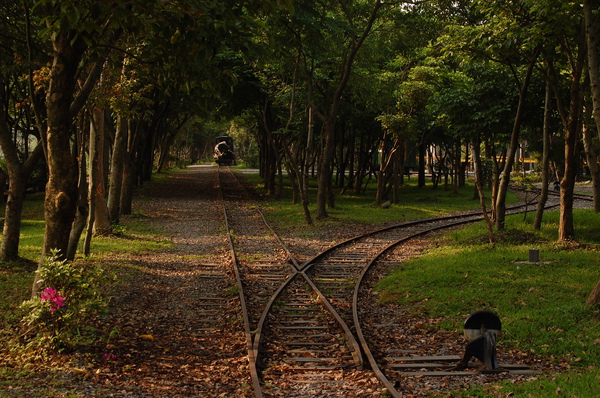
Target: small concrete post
[534, 255]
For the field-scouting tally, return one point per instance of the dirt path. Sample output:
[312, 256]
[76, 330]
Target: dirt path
[170, 340]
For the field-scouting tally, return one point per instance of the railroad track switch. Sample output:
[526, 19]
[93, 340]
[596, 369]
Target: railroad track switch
[481, 330]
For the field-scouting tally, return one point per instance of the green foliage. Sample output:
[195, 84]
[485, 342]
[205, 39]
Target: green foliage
[71, 298]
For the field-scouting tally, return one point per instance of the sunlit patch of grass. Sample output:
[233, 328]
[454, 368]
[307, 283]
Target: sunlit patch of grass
[571, 384]
[414, 202]
[542, 304]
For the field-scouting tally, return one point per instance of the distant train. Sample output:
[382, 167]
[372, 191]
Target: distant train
[223, 153]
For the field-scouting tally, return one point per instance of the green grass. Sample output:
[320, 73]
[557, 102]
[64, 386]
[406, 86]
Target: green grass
[361, 208]
[542, 305]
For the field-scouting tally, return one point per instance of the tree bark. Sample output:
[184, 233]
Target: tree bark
[479, 186]
[591, 155]
[572, 126]
[81, 214]
[128, 184]
[592, 30]
[594, 297]
[101, 225]
[566, 229]
[61, 188]
[324, 175]
[324, 180]
[422, 163]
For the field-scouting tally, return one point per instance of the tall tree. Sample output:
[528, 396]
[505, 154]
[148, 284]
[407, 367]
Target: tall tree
[568, 29]
[358, 19]
[502, 33]
[18, 102]
[592, 34]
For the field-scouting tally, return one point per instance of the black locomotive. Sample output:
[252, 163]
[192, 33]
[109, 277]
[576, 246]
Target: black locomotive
[223, 153]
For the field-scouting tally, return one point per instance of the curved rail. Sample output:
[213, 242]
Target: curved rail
[357, 324]
[389, 239]
[255, 336]
[370, 246]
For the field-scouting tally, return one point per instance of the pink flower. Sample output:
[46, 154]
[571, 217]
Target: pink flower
[109, 357]
[55, 299]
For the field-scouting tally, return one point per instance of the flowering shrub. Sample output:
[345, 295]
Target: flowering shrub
[56, 300]
[63, 313]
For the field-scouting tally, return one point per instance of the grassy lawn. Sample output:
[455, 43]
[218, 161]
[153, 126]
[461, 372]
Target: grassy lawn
[542, 305]
[361, 207]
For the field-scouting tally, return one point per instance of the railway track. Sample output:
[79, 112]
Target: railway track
[304, 330]
[555, 194]
[291, 329]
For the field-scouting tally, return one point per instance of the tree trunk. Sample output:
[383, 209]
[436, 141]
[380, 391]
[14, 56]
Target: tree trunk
[324, 189]
[116, 166]
[397, 174]
[592, 30]
[17, 175]
[537, 222]
[514, 143]
[325, 168]
[351, 154]
[594, 297]
[592, 24]
[101, 225]
[479, 186]
[81, 215]
[591, 155]
[61, 188]
[128, 184]
[129, 168]
[572, 125]
[11, 231]
[566, 229]
[457, 167]
[421, 175]
[464, 166]
[302, 184]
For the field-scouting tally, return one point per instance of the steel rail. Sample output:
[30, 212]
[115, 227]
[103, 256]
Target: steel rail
[464, 218]
[251, 355]
[554, 193]
[254, 337]
[353, 343]
[357, 324]
[355, 315]
[311, 262]
[357, 345]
